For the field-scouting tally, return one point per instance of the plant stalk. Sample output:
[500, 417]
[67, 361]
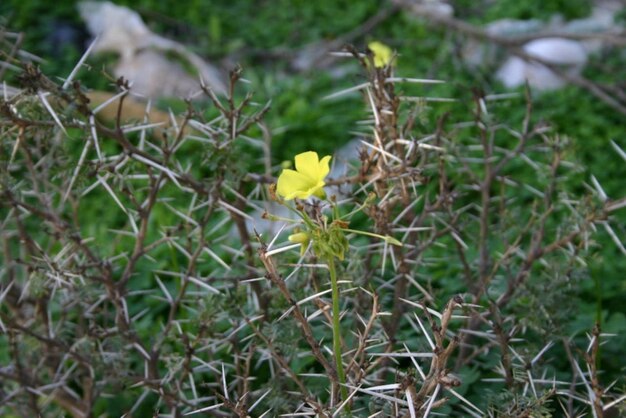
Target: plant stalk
[337, 331]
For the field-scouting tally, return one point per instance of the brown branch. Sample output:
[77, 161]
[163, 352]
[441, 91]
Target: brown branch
[277, 280]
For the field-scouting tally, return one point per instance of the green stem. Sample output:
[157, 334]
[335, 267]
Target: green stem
[598, 311]
[390, 240]
[337, 331]
[302, 214]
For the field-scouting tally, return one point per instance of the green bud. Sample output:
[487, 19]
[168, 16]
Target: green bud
[392, 240]
[301, 238]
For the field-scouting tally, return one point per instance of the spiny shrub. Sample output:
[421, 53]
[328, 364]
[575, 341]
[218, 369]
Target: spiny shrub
[147, 270]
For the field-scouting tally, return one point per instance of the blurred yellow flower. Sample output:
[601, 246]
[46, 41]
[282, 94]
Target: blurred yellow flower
[382, 53]
[307, 179]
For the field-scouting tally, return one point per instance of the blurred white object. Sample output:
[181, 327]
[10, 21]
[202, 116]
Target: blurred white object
[567, 54]
[142, 53]
[477, 53]
[436, 8]
[601, 20]
[570, 55]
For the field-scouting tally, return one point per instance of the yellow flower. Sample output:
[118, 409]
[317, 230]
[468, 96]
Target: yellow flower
[301, 238]
[307, 179]
[382, 54]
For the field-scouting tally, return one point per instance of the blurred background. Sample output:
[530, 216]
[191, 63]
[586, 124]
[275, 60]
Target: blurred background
[284, 46]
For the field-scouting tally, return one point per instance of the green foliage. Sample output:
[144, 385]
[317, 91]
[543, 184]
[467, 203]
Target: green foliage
[507, 404]
[528, 9]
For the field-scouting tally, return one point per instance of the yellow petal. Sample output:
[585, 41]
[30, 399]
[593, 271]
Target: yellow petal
[324, 167]
[307, 163]
[382, 53]
[315, 189]
[292, 184]
[307, 180]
